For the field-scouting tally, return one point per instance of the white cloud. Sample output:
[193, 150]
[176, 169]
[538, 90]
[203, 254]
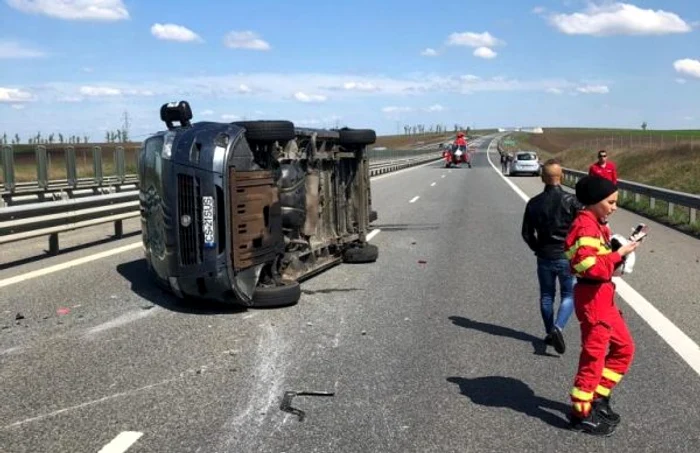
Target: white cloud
[593, 89]
[539, 9]
[18, 106]
[303, 97]
[687, 67]
[470, 78]
[104, 10]
[11, 49]
[429, 52]
[99, 91]
[485, 52]
[230, 117]
[245, 40]
[243, 88]
[619, 19]
[173, 32]
[360, 86]
[470, 39]
[434, 108]
[395, 109]
[554, 90]
[206, 112]
[70, 99]
[14, 95]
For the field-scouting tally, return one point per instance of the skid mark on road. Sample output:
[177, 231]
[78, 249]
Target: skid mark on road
[120, 321]
[243, 429]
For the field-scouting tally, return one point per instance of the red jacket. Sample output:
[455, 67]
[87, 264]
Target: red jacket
[608, 172]
[588, 250]
[460, 141]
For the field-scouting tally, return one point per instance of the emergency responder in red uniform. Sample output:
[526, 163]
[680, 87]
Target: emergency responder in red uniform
[460, 144]
[603, 168]
[460, 140]
[593, 262]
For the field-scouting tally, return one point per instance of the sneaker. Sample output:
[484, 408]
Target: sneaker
[558, 340]
[602, 407]
[592, 424]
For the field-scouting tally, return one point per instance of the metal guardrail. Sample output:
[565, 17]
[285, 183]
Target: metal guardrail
[637, 190]
[53, 217]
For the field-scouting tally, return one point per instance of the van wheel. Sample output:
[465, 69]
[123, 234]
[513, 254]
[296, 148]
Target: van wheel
[288, 293]
[268, 131]
[357, 137]
[366, 253]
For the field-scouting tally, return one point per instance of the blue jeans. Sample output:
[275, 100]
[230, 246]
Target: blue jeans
[548, 271]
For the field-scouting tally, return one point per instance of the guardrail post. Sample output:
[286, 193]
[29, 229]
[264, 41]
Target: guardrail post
[53, 244]
[119, 163]
[652, 203]
[97, 164]
[42, 175]
[693, 215]
[8, 167]
[670, 210]
[71, 171]
[118, 229]
[637, 198]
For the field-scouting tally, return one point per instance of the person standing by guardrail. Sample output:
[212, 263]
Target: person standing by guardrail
[546, 222]
[604, 168]
[602, 326]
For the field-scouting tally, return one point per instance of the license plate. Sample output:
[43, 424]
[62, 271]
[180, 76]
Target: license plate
[208, 221]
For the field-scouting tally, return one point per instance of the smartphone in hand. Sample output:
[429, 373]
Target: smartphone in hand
[639, 233]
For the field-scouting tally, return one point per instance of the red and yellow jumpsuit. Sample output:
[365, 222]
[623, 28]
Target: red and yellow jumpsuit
[602, 325]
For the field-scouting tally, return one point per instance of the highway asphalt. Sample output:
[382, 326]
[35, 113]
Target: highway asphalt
[436, 347]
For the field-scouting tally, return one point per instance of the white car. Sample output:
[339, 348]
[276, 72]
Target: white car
[525, 162]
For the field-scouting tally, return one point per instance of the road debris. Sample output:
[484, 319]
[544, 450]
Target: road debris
[286, 404]
[62, 311]
[19, 316]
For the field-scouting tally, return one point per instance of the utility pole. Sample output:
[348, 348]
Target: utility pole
[125, 127]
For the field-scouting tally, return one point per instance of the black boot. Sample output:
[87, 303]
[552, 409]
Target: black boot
[602, 407]
[593, 424]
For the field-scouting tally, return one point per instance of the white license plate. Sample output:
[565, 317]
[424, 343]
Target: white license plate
[208, 221]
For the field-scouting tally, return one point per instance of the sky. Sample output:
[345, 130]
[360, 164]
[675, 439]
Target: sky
[75, 66]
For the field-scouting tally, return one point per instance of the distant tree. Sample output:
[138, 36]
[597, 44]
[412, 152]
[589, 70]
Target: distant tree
[4, 138]
[118, 135]
[644, 126]
[86, 139]
[107, 136]
[60, 138]
[17, 140]
[51, 138]
[31, 141]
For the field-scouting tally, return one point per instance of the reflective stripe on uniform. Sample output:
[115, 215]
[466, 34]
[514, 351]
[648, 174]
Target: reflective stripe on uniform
[582, 408]
[583, 241]
[603, 391]
[610, 374]
[585, 264]
[581, 395]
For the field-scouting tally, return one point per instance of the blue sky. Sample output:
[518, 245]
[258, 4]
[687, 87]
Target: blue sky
[75, 66]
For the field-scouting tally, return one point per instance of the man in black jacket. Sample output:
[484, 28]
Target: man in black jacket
[546, 223]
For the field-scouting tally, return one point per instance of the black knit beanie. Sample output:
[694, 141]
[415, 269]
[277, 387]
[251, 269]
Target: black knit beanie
[594, 189]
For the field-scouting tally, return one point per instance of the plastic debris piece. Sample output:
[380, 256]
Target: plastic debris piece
[63, 311]
[19, 316]
[286, 404]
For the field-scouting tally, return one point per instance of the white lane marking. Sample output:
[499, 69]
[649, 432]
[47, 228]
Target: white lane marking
[414, 199]
[433, 184]
[120, 321]
[377, 178]
[669, 332]
[67, 265]
[122, 442]
[372, 234]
